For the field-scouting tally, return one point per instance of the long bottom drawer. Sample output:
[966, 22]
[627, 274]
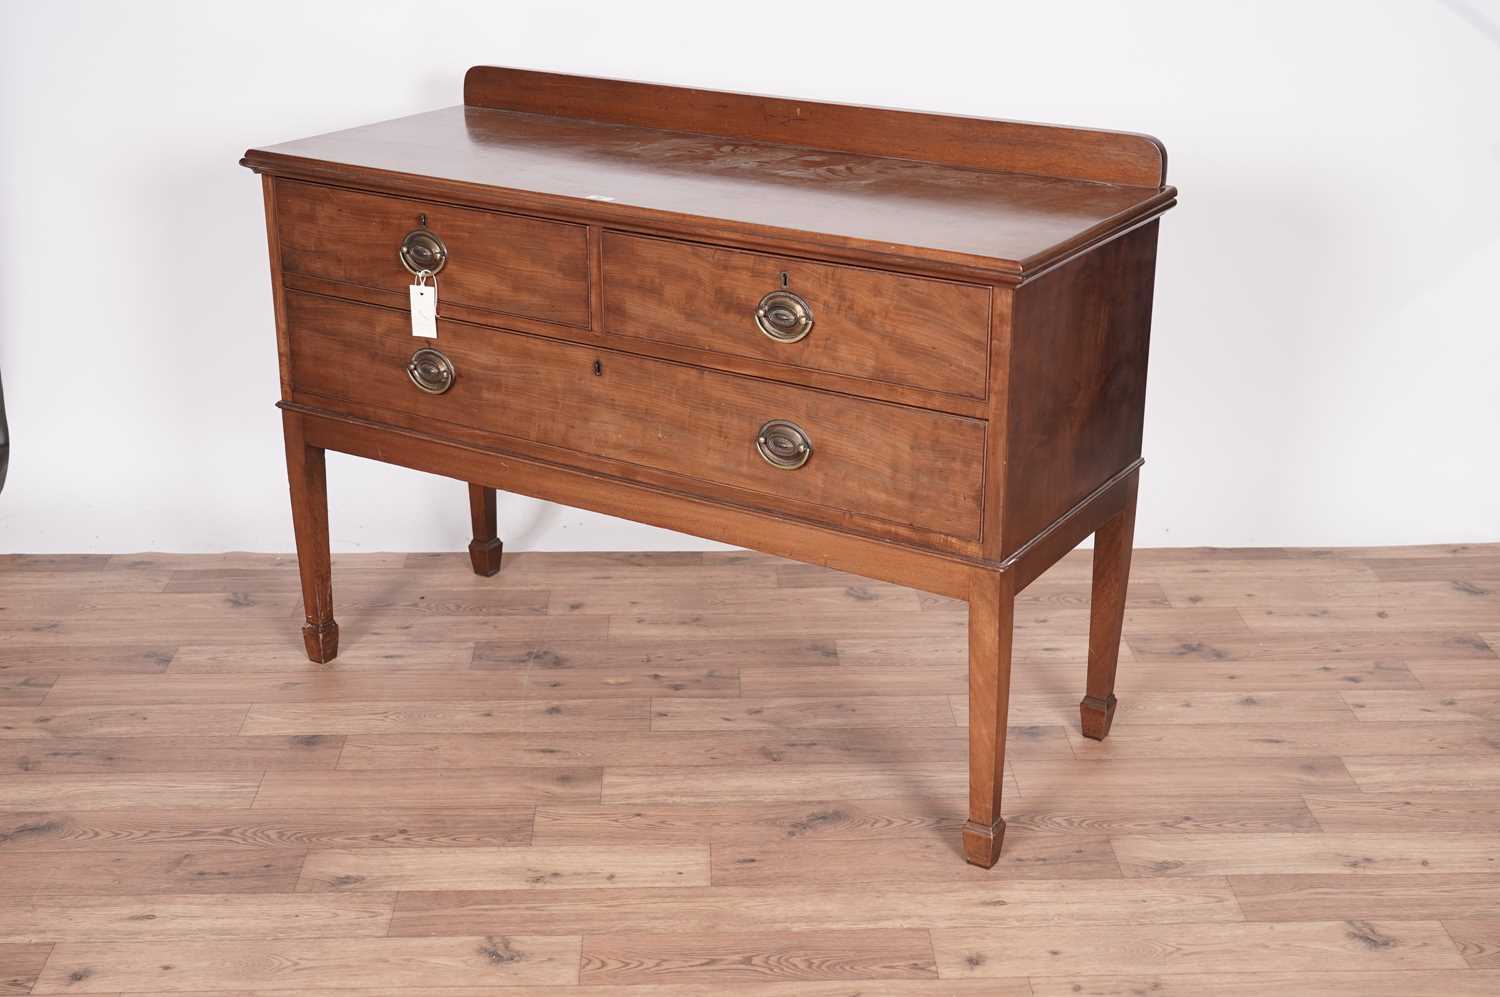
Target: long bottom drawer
[867, 460]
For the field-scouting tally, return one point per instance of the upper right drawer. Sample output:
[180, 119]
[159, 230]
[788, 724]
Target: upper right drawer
[914, 331]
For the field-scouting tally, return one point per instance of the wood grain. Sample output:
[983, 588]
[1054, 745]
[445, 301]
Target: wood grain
[25, 689]
[1110, 157]
[425, 716]
[541, 867]
[1240, 706]
[867, 324]
[1326, 646]
[1420, 811]
[802, 782]
[725, 656]
[698, 426]
[1462, 741]
[90, 659]
[1181, 777]
[1481, 706]
[827, 745]
[1407, 983]
[155, 754]
[1477, 771]
[175, 830]
[120, 721]
[745, 822]
[1307, 946]
[860, 206]
[127, 870]
[237, 658]
[726, 959]
[425, 789]
[924, 859]
[1478, 940]
[1352, 854]
[498, 262]
[1247, 828]
[1136, 813]
[19, 966]
[286, 687]
[1090, 321]
[108, 792]
[752, 713]
[276, 964]
[793, 906]
[223, 915]
[1333, 896]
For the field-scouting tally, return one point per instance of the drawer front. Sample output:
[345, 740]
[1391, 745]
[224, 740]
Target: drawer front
[498, 262]
[918, 469]
[870, 324]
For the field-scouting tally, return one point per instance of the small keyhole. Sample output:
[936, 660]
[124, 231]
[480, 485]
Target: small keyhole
[783, 280]
[598, 368]
[422, 221]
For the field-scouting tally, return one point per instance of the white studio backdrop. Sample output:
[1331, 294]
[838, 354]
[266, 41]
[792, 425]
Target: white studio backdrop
[1325, 351]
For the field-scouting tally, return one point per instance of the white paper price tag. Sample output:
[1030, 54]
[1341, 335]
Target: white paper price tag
[423, 309]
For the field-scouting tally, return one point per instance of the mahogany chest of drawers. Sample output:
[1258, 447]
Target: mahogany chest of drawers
[906, 345]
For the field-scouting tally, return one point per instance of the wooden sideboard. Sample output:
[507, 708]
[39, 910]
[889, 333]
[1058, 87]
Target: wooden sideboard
[910, 346]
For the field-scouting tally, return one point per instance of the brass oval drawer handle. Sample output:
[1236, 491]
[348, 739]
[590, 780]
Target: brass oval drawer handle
[423, 250]
[783, 316]
[431, 371]
[783, 444]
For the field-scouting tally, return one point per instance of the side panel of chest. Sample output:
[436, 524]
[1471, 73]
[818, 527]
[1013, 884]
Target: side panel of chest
[1075, 381]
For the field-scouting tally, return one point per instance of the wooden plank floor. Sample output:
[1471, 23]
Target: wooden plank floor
[674, 774]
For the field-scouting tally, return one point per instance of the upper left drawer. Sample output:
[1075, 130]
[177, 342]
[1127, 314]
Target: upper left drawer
[497, 262]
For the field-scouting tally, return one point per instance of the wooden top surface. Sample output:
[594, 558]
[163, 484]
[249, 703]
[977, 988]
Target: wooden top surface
[738, 183]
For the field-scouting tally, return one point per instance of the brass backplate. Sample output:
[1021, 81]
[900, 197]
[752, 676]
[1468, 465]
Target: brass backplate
[783, 444]
[422, 250]
[431, 371]
[784, 316]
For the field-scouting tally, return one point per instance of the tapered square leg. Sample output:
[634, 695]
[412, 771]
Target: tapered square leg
[1113, 543]
[991, 620]
[484, 549]
[1096, 716]
[321, 641]
[308, 480]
